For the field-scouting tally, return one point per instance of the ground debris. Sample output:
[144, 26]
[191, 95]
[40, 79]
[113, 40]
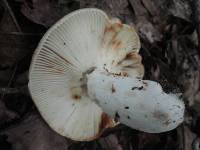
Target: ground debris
[170, 52]
[33, 133]
[39, 11]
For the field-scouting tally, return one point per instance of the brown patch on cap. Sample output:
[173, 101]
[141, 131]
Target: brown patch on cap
[119, 25]
[113, 28]
[116, 44]
[134, 56]
[106, 122]
[111, 41]
[111, 31]
[135, 64]
[76, 93]
[76, 97]
[125, 74]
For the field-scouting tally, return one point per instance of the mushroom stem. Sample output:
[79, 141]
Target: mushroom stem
[140, 104]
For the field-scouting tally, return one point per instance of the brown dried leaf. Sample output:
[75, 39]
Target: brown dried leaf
[155, 72]
[6, 115]
[40, 12]
[7, 24]
[178, 8]
[5, 77]
[144, 25]
[34, 134]
[189, 137]
[147, 31]
[111, 7]
[191, 86]
[139, 10]
[47, 12]
[150, 6]
[110, 142]
[14, 47]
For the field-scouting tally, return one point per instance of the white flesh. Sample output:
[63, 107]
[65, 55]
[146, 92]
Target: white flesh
[140, 104]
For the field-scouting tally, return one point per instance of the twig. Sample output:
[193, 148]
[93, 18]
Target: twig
[192, 59]
[19, 90]
[12, 15]
[12, 76]
[21, 34]
[145, 49]
[181, 139]
[9, 90]
[10, 81]
[196, 12]
[138, 8]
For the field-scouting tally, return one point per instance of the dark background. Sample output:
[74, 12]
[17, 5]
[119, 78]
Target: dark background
[169, 33]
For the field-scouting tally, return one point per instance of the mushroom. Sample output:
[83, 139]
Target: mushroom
[86, 76]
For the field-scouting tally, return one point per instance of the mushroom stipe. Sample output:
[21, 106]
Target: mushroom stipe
[86, 76]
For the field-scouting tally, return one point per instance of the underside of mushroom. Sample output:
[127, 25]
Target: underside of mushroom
[86, 76]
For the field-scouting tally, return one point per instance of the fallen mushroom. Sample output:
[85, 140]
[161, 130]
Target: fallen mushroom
[86, 76]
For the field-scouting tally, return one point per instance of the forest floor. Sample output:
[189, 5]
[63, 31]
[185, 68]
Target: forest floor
[168, 32]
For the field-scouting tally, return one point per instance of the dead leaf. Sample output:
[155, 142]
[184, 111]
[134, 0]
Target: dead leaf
[189, 137]
[147, 31]
[150, 6]
[14, 47]
[5, 77]
[178, 8]
[191, 82]
[113, 8]
[144, 26]
[110, 142]
[40, 12]
[6, 115]
[47, 12]
[6, 22]
[139, 10]
[155, 72]
[34, 134]
[148, 140]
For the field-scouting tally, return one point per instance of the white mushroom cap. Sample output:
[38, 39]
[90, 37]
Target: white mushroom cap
[82, 40]
[64, 75]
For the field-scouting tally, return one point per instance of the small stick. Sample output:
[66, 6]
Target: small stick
[196, 12]
[12, 15]
[10, 81]
[18, 90]
[21, 34]
[9, 90]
